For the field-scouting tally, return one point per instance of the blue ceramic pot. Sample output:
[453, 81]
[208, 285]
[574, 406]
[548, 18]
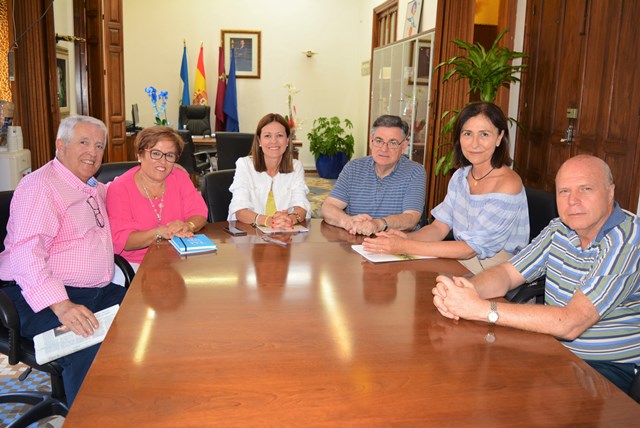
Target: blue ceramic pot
[329, 166]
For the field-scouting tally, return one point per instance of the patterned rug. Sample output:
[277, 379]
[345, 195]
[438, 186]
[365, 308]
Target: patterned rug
[319, 189]
[9, 382]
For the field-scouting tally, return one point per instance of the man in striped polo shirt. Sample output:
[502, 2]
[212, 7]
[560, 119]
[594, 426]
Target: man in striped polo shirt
[385, 190]
[590, 257]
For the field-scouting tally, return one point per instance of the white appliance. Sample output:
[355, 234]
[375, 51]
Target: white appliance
[13, 166]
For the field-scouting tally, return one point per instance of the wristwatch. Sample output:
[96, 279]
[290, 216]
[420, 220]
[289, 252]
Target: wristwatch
[493, 316]
[386, 225]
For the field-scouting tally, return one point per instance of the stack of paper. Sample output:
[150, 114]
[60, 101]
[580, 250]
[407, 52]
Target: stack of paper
[378, 258]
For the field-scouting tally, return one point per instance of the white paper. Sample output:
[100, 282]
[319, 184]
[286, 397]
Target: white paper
[60, 341]
[296, 229]
[379, 258]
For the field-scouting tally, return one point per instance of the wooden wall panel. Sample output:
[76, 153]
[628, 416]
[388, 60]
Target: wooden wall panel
[35, 92]
[115, 106]
[454, 20]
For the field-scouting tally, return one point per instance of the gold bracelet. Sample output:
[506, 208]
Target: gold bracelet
[192, 226]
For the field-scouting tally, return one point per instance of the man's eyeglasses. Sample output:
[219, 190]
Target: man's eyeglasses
[96, 211]
[157, 155]
[392, 144]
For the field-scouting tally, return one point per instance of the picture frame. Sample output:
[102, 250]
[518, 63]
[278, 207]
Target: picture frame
[412, 18]
[248, 52]
[62, 73]
[423, 63]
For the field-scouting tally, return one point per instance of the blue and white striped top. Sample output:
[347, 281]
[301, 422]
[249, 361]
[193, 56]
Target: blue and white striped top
[488, 223]
[365, 193]
[607, 272]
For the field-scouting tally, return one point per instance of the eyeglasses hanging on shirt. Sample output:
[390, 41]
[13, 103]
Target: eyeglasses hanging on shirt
[96, 211]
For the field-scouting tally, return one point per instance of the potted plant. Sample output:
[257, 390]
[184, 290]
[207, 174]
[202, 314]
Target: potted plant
[331, 145]
[486, 71]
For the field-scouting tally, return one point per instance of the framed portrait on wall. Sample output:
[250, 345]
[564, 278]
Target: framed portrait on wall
[62, 73]
[246, 45]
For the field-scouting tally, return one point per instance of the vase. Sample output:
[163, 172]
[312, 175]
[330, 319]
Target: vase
[330, 166]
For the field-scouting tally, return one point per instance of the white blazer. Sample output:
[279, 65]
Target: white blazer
[250, 189]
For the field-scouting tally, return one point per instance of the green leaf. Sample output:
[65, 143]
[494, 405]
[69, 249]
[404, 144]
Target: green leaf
[329, 137]
[485, 70]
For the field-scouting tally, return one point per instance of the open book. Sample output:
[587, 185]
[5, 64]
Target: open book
[198, 244]
[378, 258]
[60, 341]
[298, 228]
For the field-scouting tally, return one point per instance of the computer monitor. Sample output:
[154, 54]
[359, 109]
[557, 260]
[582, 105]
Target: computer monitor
[135, 115]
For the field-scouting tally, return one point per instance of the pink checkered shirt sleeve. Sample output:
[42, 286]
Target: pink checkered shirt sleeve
[53, 238]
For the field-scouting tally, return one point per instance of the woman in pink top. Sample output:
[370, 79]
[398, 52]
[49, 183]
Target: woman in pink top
[155, 200]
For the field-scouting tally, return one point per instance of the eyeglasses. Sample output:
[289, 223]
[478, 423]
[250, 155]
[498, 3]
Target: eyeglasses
[157, 155]
[392, 144]
[96, 211]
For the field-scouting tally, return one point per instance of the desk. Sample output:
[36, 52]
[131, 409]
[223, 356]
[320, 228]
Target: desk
[209, 142]
[261, 335]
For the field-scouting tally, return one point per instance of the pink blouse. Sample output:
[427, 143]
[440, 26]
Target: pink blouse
[130, 211]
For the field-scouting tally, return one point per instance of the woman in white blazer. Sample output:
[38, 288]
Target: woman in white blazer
[268, 187]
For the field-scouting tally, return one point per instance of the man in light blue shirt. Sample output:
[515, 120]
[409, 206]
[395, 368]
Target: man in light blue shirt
[382, 191]
[590, 257]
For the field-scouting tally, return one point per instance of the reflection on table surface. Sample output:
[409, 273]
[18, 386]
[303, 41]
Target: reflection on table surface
[261, 334]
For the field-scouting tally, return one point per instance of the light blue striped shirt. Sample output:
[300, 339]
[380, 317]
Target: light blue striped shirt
[606, 272]
[488, 223]
[365, 193]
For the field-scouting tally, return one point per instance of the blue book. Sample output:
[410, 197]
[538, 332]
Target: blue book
[198, 244]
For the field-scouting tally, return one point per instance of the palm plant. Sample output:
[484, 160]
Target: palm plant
[486, 71]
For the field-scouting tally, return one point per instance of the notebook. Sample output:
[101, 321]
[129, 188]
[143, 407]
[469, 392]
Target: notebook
[198, 244]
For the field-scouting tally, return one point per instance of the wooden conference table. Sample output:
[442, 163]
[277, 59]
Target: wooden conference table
[310, 334]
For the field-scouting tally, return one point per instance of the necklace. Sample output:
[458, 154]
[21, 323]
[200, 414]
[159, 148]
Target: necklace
[161, 205]
[475, 180]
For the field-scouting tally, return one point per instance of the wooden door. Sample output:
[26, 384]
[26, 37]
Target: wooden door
[583, 57]
[114, 81]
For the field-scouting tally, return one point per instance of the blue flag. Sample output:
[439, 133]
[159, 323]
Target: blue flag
[230, 106]
[184, 75]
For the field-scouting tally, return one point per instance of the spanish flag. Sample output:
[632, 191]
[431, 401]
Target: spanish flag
[200, 85]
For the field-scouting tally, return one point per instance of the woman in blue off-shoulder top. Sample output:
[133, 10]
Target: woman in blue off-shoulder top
[485, 205]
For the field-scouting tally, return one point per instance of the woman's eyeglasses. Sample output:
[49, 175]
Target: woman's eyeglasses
[96, 211]
[157, 155]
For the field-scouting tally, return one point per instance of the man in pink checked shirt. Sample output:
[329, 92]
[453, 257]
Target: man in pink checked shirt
[58, 249]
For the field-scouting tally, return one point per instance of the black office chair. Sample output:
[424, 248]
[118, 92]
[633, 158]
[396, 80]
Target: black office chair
[195, 118]
[21, 350]
[231, 147]
[216, 193]
[542, 209]
[634, 391]
[109, 171]
[195, 161]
